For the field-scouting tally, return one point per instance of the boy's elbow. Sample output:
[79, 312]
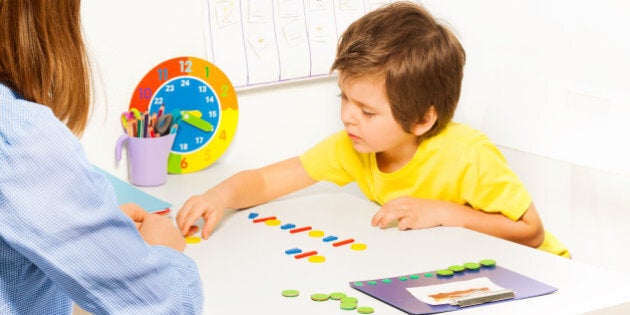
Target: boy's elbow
[536, 236]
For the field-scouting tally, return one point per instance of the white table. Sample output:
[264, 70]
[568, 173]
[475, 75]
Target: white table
[245, 269]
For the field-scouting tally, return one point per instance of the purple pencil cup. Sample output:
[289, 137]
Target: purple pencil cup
[147, 158]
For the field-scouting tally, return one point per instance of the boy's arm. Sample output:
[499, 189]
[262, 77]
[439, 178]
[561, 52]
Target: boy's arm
[415, 213]
[527, 230]
[244, 189]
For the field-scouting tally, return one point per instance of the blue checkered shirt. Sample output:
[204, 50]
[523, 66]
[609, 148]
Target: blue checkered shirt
[63, 237]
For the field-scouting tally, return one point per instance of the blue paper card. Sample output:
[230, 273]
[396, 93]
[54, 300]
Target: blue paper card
[127, 193]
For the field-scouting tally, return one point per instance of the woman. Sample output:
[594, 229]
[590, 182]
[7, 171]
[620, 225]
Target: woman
[63, 238]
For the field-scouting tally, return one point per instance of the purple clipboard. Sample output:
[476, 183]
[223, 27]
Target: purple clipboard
[393, 291]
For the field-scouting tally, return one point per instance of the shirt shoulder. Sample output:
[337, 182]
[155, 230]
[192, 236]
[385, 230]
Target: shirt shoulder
[333, 159]
[18, 115]
[460, 135]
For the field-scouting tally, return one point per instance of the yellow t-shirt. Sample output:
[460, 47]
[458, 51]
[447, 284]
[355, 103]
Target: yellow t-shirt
[459, 165]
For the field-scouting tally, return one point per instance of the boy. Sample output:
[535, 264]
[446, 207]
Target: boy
[400, 75]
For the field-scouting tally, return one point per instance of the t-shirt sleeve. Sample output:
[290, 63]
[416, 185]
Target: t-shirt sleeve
[490, 185]
[324, 162]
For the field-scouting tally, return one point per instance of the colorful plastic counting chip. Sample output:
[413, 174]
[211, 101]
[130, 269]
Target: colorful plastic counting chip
[348, 306]
[472, 266]
[329, 238]
[348, 303]
[317, 259]
[488, 263]
[290, 293]
[292, 251]
[320, 297]
[316, 233]
[365, 310]
[193, 239]
[457, 268]
[344, 242]
[444, 273]
[252, 215]
[272, 222]
[307, 254]
[358, 246]
[301, 229]
[339, 295]
[258, 220]
[287, 226]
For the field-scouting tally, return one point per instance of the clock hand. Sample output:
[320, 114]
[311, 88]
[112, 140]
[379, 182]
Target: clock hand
[197, 121]
[193, 112]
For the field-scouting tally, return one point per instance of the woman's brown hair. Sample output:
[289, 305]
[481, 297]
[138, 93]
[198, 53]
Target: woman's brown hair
[421, 61]
[43, 57]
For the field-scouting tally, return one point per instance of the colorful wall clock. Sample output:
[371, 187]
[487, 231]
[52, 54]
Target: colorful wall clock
[202, 97]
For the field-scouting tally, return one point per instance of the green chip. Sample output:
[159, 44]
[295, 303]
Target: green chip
[365, 310]
[358, 283]
[428, 275]
[387, 280]
[444, 273]
[488, 263]
[472, 266]
[320, 297]
[337, 295]
[371, 282]
[348, 306]
[414, 276]
[402, 278]
[290, 293]
[457, 268]
[349, 299]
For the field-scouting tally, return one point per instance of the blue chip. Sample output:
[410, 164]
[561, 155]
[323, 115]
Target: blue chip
[288, 226]
[292, 251]
[252, 215]
[330, 238]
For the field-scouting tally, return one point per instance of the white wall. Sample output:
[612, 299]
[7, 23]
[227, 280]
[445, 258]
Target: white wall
[547, 77]
[547, 81]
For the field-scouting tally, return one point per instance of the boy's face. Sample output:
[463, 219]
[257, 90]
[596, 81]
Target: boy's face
[368, 119]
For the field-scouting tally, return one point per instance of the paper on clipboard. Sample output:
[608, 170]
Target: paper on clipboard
[445, 293]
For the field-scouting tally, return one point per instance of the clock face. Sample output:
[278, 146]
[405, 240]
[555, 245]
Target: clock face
[203, 104]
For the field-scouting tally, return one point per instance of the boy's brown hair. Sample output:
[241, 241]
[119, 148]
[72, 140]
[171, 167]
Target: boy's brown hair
[421, 61]
[44, 58]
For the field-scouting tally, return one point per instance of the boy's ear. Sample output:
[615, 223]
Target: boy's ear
[430, 117]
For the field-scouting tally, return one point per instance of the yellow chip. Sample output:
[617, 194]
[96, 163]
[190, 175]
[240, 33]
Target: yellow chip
[273, 222]
[193, 239]
[317, 259]
[358, 246]
[316, 233]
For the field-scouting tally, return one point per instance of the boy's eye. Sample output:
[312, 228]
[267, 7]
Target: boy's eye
[367, 113]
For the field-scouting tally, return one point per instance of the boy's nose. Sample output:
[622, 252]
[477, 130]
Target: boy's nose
[347, 117]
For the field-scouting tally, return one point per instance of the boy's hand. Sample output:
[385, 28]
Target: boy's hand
[195, 207]
[411, 213]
